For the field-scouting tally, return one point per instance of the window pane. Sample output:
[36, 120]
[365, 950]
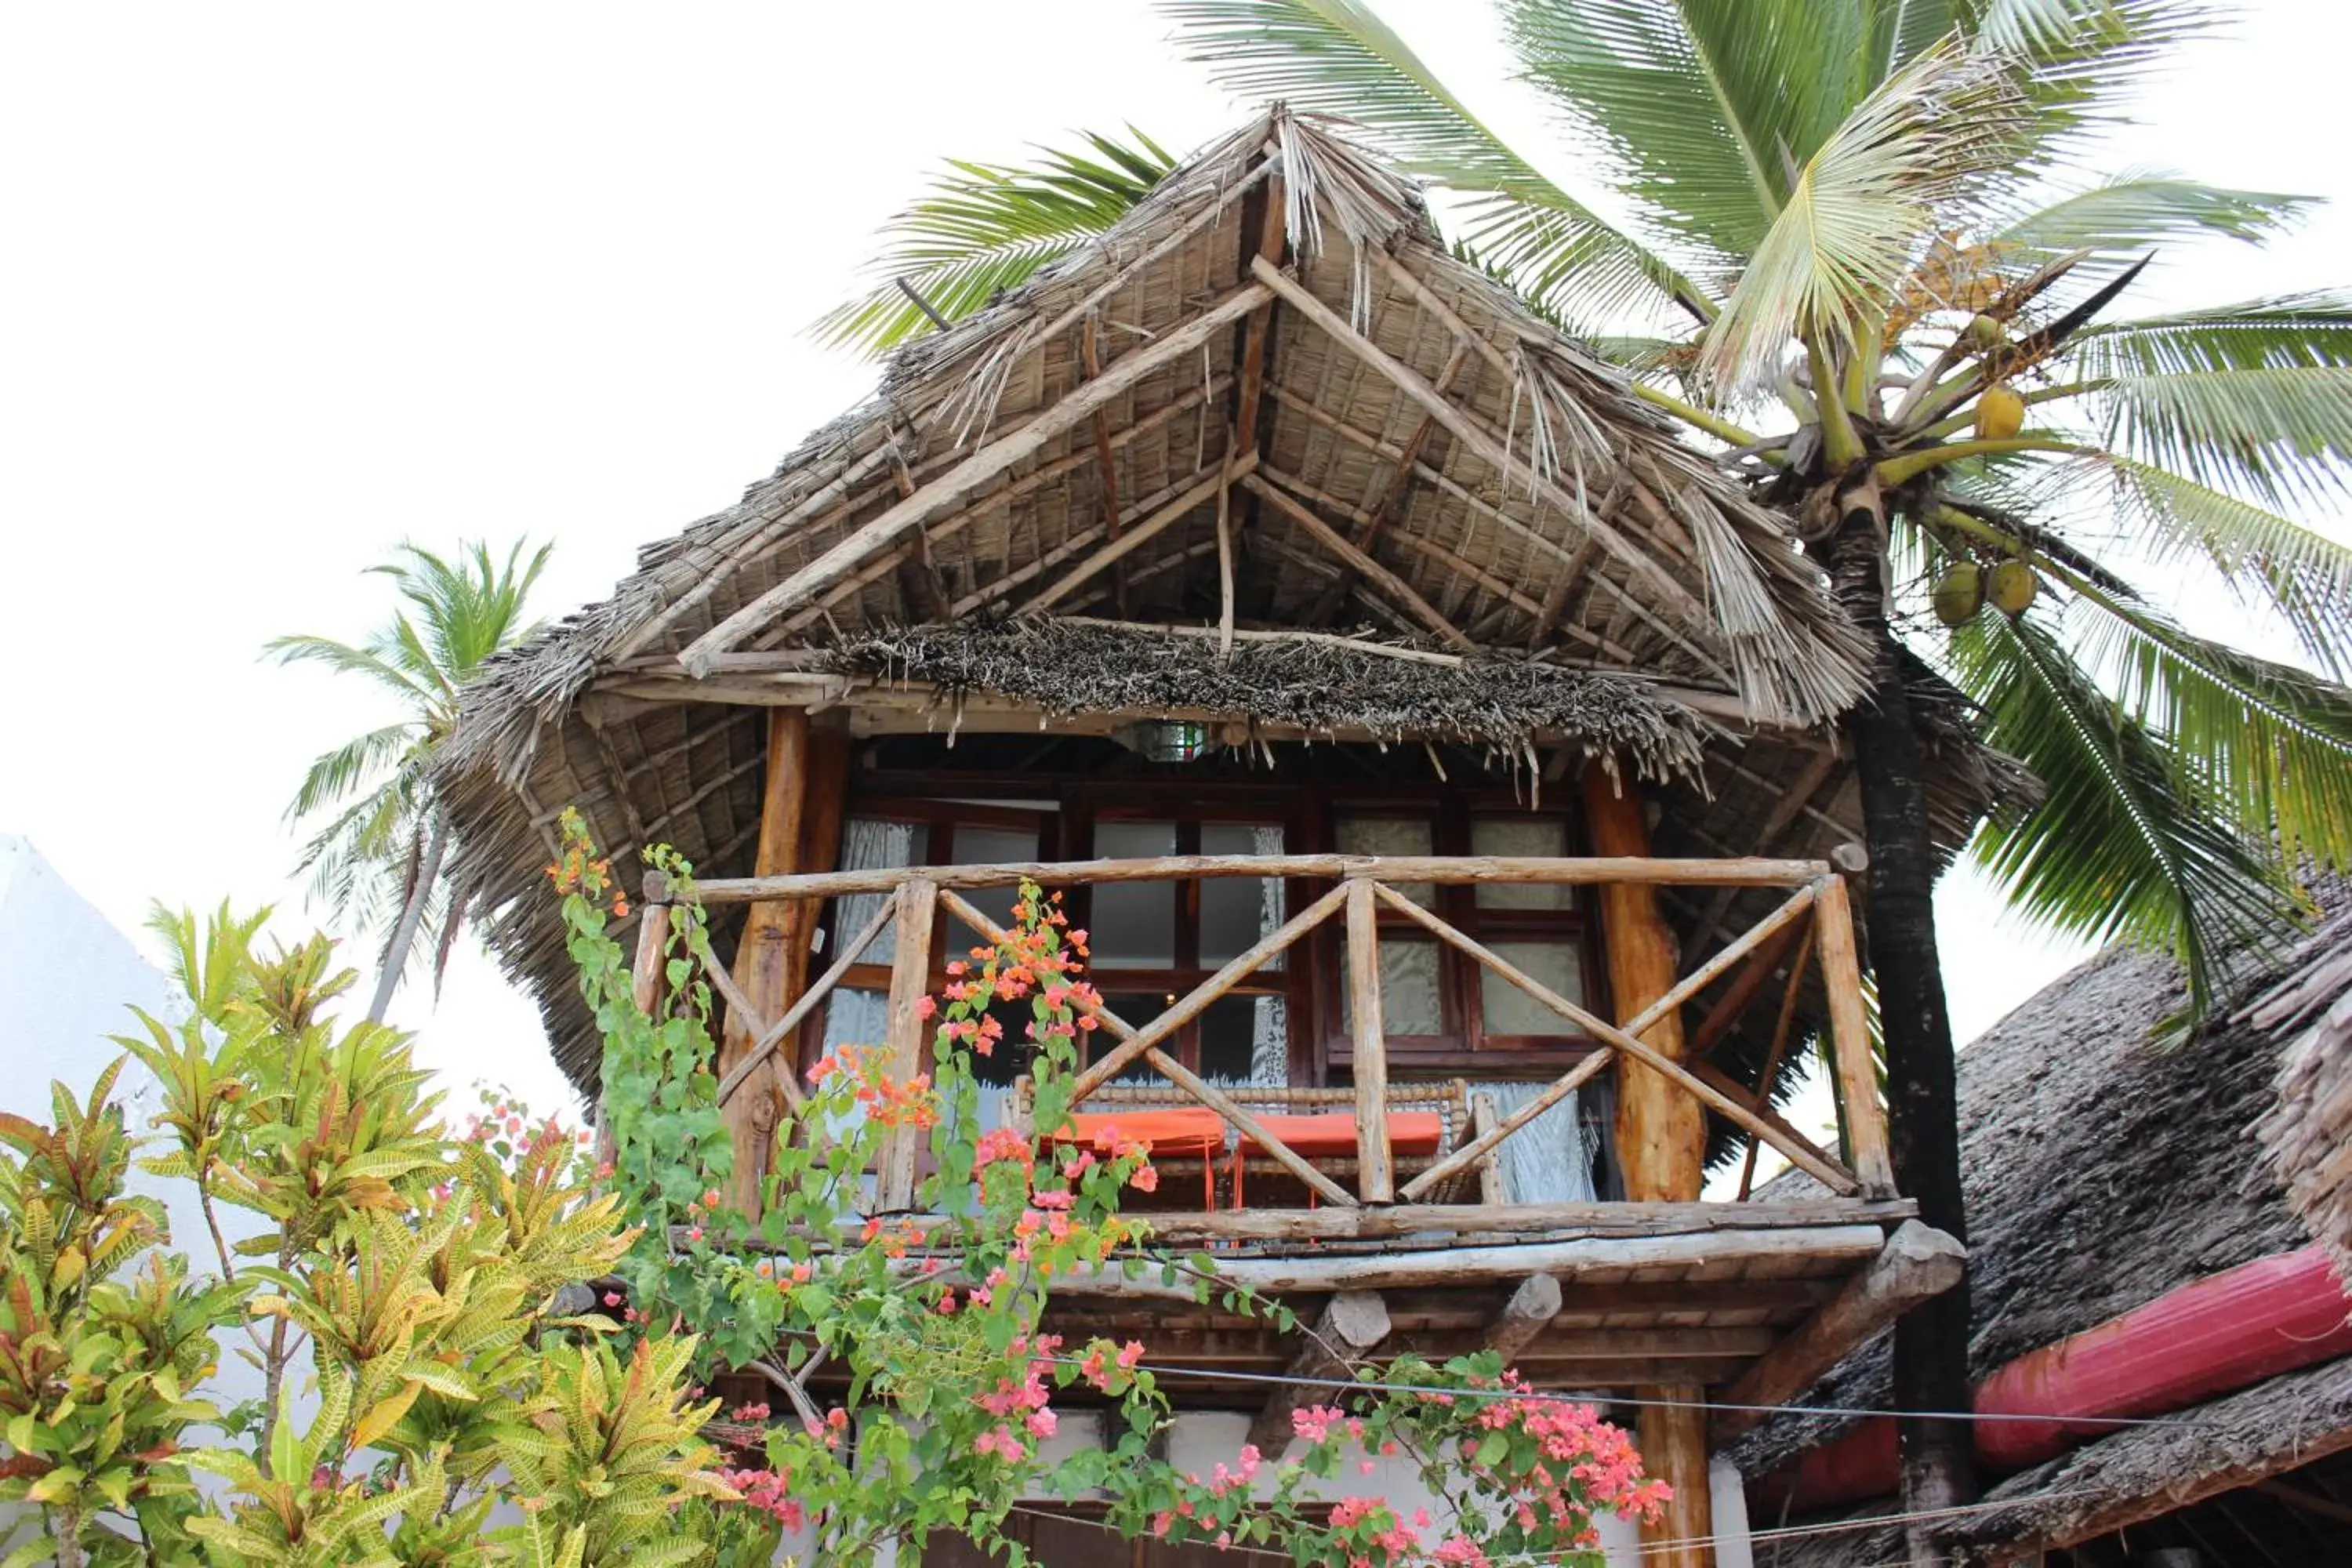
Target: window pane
[1511, 1011]
[1389, 835]
[1409, 997]
[1235, 912]
[1245, 1039]
[976, 845]
[1523, 835]
[1139, 1008]
[1134, 923]
[868, 844]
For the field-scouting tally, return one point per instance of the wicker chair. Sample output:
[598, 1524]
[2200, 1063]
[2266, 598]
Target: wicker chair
[1257, 1180]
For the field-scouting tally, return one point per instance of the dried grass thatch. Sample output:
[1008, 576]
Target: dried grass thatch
[2309, 1135]
[1328, 687]
[1428, 458]
[2102, 1169]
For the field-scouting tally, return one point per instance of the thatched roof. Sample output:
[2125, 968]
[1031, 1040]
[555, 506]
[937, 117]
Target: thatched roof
[2309, 1135]
[1375, 435]
[2102, 1169]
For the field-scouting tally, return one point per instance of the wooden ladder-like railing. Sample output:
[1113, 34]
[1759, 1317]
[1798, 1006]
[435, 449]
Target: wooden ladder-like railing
[1363, 886]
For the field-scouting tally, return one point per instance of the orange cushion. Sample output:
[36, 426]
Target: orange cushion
[1200, 1131]
[1333, 1135]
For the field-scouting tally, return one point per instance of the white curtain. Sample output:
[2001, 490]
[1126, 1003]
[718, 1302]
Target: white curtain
[1546, 1161]
[1270, 1026]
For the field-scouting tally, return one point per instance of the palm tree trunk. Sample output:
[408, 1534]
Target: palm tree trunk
[1931, 1343]
[412, 915]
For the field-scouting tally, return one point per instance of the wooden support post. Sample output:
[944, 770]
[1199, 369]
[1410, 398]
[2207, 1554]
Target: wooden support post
[1857, 1072]
[762, 970]
[1918, 1261]
[908, 1033]
[1661, 1130]
[1671, 1433]
[1376, 1181]
[1527, 1313]
[1660, 1139]
[1353, 1323]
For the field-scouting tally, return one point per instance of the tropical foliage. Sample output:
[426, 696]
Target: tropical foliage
[375, 853]
[412, 1299]
[932, 1326]
[1849, 244]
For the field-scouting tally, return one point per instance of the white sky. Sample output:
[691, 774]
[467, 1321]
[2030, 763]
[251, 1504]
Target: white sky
[283, 284]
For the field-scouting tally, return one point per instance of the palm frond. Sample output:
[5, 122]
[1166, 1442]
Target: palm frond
[2130, 212]
[345, 659]
[1847, 235]
[984, 229]
[2118, 846]
[2304, 576]
[2286, 331]
[358, 763]
[1338, 57]
[1707, 110]
[2271, 746]
[2082, 61]
[2280, 434]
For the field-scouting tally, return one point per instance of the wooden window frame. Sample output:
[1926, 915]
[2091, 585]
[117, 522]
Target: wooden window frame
[1310, 978]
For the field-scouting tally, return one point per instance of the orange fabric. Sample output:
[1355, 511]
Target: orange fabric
[1195, 1133]
[1334, 1136]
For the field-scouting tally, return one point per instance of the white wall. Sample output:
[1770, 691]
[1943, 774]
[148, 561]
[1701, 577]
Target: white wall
[1201, 1440]
[68, 981]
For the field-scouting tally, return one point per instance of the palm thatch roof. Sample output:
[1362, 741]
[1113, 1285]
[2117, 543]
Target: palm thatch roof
[2103, 1167]
[1267, 400]
[2309, 1135]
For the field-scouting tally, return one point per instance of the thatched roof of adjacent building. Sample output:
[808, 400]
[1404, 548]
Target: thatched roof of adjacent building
[2103, 1167]
[1269, 397]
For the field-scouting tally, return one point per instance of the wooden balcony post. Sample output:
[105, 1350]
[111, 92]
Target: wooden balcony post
[1375, 1177]
[1661, 1139]
[762, 965]
[908, 1031]
[1857, 1073]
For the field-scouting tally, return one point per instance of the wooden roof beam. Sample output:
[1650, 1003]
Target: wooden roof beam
[1035, 480]
[1917, 1262]
[1529, 1312]
[1387, 581]
[1473, 434]
[1445, 559]
[959, 483]
[1377, 511]
[1106, 460]
[1573, 562]
[1117, 549]
[1352, 1325]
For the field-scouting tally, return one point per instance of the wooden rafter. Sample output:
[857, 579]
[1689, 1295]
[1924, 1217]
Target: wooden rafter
[995, 459]
[1106, 460]
[1384, 504]
[1573, 561]
[1428, 549]
[1389, 582]
[1484, 443]
[1115, 550]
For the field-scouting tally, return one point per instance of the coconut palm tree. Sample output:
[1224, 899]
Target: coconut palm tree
[1846, 242]
[376, 856]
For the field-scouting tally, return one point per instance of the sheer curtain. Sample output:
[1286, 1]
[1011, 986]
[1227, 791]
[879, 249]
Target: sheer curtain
[1547, 1161]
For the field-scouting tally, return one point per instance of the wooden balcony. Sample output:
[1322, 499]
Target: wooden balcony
[1411, 1236]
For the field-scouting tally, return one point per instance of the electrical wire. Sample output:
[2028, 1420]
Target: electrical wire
[1377, 1386]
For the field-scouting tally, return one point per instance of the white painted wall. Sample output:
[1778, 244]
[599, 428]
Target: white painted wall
[68, 981]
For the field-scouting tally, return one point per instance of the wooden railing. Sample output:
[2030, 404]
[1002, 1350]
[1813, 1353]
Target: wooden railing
[1363, 887]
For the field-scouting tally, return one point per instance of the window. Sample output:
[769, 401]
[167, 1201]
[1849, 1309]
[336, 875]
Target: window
[1441, 1010]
